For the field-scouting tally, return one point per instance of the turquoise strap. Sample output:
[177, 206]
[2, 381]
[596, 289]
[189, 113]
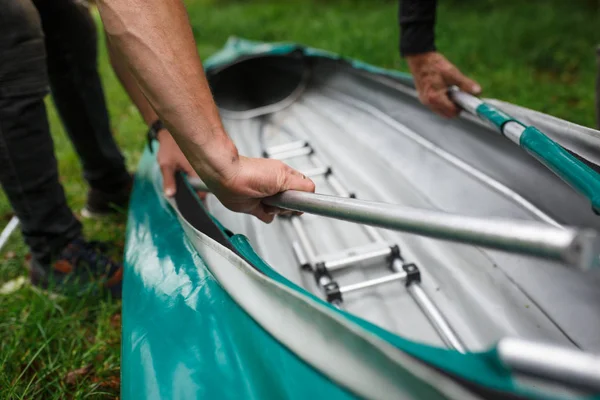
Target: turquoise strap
[570, 169]
[493, 115]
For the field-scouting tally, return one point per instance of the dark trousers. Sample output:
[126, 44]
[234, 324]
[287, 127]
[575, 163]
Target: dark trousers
[51, 44]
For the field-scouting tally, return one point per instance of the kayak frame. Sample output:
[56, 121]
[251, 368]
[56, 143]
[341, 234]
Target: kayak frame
[573, 246]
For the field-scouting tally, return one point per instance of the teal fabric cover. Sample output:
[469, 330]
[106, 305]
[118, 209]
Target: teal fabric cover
[183, 336]
[495, 116]
[564, 164]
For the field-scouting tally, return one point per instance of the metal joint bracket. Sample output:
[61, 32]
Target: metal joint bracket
[413, 275]
[394, 255]
[322, 275]
[332, 292]
[330, 287]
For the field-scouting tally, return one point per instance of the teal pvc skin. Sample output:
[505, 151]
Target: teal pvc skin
[570, 169]
[494, 116]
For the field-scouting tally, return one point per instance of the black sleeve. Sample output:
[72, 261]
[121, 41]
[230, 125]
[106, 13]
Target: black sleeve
[417, 26]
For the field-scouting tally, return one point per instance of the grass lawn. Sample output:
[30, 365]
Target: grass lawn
[539, 54]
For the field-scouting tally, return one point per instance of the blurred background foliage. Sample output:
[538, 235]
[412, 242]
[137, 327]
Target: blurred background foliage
[537, 53]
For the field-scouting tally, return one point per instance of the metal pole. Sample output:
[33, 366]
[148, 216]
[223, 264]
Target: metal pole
[397, 276]
[367, 256]
[435, 317]
[307, 246]
[551, 362]
[575, 247]
[286, 147]
[8, 230]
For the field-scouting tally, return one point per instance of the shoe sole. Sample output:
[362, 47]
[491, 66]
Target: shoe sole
[89, 214]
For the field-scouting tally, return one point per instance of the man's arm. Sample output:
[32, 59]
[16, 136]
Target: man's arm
[155, 39]
[169, 156]
[432, 72]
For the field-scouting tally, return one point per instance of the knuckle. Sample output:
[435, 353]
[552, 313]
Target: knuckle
[431, 98]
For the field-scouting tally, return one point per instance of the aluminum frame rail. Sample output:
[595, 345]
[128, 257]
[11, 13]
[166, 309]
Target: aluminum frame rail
[569, 366]
[323, 266]
[575, 247]
[401, 271]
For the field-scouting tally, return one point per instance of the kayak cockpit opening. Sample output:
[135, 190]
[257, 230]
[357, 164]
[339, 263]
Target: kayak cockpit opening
[259, 85]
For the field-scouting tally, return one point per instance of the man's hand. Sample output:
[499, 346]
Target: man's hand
[171, 160]
[433, 75]
[256, 178]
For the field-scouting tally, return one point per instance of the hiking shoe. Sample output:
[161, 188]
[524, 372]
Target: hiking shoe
[81, 266]
[100, 204]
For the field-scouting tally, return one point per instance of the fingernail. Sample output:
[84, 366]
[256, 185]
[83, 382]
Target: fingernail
[476, 89]
[169, 192]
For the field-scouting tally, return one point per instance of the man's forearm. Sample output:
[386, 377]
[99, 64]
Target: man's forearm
[155, 39]
[130, 85]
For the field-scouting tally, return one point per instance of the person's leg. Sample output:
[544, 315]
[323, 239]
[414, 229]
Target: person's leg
[28, 168]
[71, 45]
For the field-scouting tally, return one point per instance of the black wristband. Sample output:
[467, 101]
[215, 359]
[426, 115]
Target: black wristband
[156, 127]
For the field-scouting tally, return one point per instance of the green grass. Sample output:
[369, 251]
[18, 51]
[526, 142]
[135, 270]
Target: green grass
[539, 54]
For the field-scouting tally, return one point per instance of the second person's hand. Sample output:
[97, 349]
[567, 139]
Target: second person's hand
[433, 75]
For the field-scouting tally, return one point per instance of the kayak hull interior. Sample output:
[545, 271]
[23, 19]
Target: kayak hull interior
[384, 146]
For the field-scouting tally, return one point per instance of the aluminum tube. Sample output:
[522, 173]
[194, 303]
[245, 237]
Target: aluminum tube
[299, 253]
[355, 259]
[286, 147]
[466, 101]
[398, 276]
[435, 317]
[8, 230]
[352, 251]
[569, 366]
[307, 246]
[317, 171]
[513, 131]
[303, 151]
[575, 247]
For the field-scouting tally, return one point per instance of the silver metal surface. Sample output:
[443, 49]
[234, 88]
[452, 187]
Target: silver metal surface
[575, 247]
[513, 131]
[299, 253]
[298, 144]
[340, 263]
[284, 155]
[573, 367]
[397, 276]
[316, 171]
[307, 246]
[352, 251]
[464, 100]
[8, 230]
[433, 314]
